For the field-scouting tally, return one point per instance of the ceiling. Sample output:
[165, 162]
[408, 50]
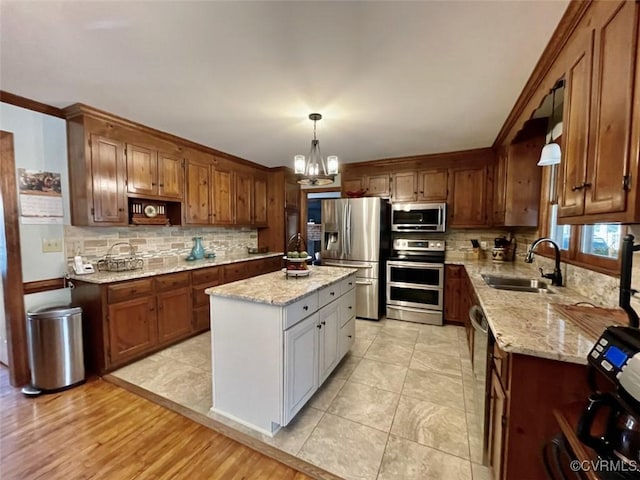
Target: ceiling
[391, 78]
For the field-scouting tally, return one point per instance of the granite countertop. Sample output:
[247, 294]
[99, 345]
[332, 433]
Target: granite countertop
[277, 289]
[178, 265]
[524, 322]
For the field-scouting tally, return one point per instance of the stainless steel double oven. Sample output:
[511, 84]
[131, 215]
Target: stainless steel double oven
[415, 280]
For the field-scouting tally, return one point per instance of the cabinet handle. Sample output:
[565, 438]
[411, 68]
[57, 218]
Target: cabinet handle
[306, 307]
[318, 326]
[580, 187]
[332, 293]
[350, 307]
[323, 322]
[586, 185]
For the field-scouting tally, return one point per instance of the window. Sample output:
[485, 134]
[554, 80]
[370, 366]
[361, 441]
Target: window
[596, 247]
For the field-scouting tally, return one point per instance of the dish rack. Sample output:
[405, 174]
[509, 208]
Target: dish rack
[113, 263]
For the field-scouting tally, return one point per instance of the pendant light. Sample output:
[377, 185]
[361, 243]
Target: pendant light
[313, 170]
[551, 153]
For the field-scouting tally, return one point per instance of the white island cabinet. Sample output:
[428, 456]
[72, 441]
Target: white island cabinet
[275, 340]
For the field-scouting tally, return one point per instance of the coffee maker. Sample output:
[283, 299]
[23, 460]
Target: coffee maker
[616, 355]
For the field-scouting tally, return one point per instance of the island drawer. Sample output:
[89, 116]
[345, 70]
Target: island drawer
[300, 309]
[207, 275]
[347, 284]
[328, 294]
[347, 306]
[172, 281]
[127, 290]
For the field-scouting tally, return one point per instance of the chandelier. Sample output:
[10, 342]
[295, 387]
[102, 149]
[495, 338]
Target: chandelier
[313, 170]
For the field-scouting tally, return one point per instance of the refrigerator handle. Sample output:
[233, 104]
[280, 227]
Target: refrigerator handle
[348, 229]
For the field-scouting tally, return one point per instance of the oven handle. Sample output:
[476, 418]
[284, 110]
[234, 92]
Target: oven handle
[435, 266]
[476, 309]
[416, 286]
[412, 309]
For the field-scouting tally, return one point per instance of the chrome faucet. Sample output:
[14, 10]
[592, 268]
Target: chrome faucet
[556, 276]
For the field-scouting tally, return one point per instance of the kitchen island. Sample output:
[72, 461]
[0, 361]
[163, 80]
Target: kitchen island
[274, 341]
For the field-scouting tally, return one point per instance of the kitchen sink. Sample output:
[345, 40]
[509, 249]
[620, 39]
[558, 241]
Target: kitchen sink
[518, 284]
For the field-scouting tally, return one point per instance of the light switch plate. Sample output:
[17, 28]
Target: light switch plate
[50, 245]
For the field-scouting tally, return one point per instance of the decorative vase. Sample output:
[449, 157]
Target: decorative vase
[198, 250]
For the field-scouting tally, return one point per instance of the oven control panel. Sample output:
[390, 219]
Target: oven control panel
[617, 355]
[418, 245]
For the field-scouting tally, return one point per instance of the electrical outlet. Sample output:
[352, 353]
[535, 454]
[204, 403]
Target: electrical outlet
[483, 245]
[51, 245]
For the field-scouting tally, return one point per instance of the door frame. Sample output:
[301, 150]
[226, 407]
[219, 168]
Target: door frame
[11, 265]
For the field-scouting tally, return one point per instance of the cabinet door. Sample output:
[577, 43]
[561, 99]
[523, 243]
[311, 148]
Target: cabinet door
[522, 184]
[500, 187]
[405, 187]
[453, 302]
[577, 99]
[347, 337]
[222, 196]
[259, 201]
[353, 184]
[432, 185]
[468, 197]
[132, 329]
[108, 181]
[378, 185]
[611, 116]
[244, 186]
[329, 318]
[142, 173]
[497, 424]
[300, 365]
[170, 176]
[197, 195]
[174, 315]
[291, 193]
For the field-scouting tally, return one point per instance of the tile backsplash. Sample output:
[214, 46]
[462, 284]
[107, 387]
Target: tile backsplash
[155, 245]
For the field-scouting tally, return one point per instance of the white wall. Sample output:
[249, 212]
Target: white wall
[40, 143]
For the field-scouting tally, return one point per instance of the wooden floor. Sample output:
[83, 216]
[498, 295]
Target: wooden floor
[101, 431]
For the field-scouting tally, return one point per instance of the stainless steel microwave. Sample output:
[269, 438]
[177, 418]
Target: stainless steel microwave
[418, 217]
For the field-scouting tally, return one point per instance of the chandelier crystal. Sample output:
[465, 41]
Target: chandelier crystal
[313, 170]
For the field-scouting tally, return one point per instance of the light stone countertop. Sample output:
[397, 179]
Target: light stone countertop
[277, 289]
[524, 322]
[180, 265]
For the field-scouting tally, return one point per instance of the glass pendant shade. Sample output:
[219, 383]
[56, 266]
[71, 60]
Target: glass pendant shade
[550, 155]
[313, 170]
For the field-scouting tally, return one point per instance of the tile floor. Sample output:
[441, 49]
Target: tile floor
[399, 406]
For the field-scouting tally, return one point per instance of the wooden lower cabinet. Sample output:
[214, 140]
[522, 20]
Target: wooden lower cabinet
[128, 320]
[174, 315]
[132, 329]
[524, 392]
[453, 304]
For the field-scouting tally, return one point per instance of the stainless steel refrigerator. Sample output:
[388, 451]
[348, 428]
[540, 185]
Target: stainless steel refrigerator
[355, 233]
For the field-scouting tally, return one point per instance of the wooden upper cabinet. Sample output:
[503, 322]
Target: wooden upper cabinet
[170, 176]
[223, 196]
[378, 185]
[244, 200]
[517, 184]
[260, 200]
[353, 184]
[405, 186]
[142, 170]
[107, 183]
[197, 198]
[433, 185]
[153, 174]
[291, 193]
[599, 160]
[468, 196]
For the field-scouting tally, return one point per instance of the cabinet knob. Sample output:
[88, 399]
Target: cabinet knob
[161, 184]
[318, 326]
[121, 209]
[323, 322]
[306, 307]
[153, 184]
[332, 293]
[349, 336]
[350, 307]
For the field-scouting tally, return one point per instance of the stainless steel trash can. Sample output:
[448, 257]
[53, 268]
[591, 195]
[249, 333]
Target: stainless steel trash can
[56, 356]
